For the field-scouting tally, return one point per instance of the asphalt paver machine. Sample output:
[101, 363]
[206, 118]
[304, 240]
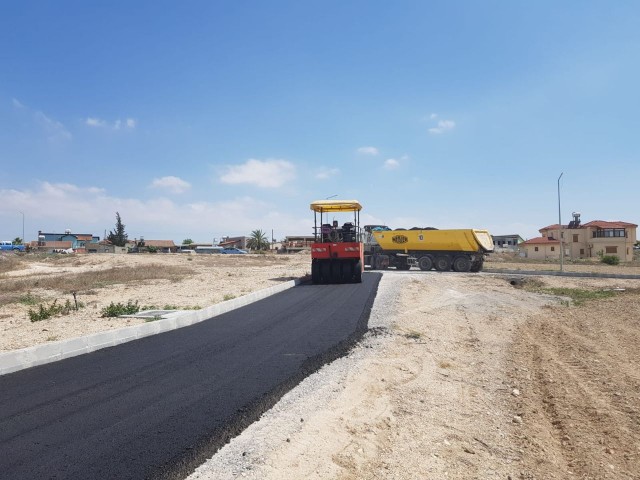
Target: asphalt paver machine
[337, 251]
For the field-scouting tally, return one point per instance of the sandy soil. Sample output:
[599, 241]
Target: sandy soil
[208, 280]
[471, 377]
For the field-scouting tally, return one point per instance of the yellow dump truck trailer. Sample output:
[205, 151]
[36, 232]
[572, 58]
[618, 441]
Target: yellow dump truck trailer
[460, 250]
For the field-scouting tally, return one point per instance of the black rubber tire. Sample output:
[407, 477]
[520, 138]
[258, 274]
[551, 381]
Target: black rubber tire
[462, 264]
[325, 272]
[315, 273]
[336, 272]
[425, 263]
[357, 272]
[477, 266]
[442, 264]
[347, 272]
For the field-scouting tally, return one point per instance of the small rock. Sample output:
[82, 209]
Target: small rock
[515, 392]
[609, 451]
[469, 450]
[446, 442]
[288, 440]
[517, 419]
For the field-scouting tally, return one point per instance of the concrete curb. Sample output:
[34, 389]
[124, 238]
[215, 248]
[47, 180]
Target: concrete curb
[51, 352]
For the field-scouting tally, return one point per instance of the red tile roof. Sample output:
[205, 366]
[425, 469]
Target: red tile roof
[605, 224]
[541, 241]
[555, 226]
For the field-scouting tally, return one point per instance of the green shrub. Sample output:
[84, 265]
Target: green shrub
[610, 259]
[117, 309]
[28, 299]
[47, 312]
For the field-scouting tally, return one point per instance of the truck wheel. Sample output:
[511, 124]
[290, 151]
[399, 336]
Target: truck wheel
[425, 263]
[325, 272]
[462, 264]
[315, 272]
[442, 264]
[347, 272]
[357, 272]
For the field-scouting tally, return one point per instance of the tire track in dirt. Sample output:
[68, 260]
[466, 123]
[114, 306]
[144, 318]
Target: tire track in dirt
[580, 370]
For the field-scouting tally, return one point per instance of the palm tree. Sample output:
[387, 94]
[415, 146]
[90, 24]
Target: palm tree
[258, 240]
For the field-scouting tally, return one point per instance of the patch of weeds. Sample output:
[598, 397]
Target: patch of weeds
[228, 296]
[153, 319]
[445, 364]
[176, 307]
[413, 335]
[29, 299]
[580, 296]
[117, 309]
[52, 338]
[47, 312]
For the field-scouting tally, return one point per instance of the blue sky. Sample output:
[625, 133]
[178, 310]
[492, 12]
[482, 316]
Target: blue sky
[208, 118]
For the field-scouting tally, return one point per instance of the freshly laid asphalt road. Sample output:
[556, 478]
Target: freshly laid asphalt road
[159, 406]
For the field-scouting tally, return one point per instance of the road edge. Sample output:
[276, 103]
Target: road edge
[23, 358]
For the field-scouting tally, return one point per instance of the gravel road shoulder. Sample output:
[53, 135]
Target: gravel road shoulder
[430, 393]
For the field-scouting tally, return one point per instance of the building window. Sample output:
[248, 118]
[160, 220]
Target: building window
[575, 238]
[553, 249]
[582, 251]
[611, 249]
[536, 249]
[609, 232]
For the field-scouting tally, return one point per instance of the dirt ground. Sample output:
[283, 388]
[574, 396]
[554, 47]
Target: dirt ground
[473, 377]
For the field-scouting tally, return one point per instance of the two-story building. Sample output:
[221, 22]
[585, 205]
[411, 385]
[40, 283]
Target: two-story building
[589, 240]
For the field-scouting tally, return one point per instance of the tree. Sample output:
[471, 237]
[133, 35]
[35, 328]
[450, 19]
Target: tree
[258, 240]
[187, 241]
[17, 241]
[118, 237]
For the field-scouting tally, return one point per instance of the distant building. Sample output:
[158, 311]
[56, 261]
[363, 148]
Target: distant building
[589, 240]
[293, 243]
[237, 242]
[77, 241]
[507, 242]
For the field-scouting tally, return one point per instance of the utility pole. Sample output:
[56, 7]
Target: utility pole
[560, 225]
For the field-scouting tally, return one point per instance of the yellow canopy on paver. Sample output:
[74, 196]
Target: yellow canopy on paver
[324, 206]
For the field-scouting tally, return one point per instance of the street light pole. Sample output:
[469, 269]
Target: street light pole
[560, 225]
[22, 226]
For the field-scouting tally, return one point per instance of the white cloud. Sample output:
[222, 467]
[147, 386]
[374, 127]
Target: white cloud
[95, 122]
[171, 183]
[54, 130]
[129, 123]
[368, 151]
[433, 116]
[91, 210]
[269, 173]
[443, 126]
[391, 164]
[326, 173]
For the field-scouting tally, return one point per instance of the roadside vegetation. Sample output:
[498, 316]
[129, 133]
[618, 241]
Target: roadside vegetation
[578, 296]
[18, 289]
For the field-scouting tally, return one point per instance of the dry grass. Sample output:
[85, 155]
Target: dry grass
[9, 262]
[13, 289]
